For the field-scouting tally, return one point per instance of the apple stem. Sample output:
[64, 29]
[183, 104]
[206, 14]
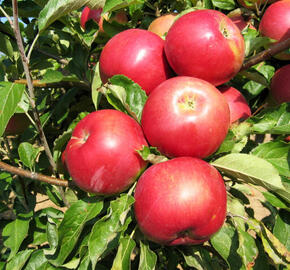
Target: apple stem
[266, 54]
[35, 176]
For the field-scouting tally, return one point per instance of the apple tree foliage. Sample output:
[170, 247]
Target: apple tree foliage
[76, 230]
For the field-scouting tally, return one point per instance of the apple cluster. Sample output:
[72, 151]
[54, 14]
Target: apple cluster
[186, 117]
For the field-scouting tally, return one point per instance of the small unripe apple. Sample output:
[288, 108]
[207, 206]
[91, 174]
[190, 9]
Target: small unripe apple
[275, 24]
[161, 25]
[280, 85]
[180, 202]
[96, 15]
[17, 124]
[101, 155]
[239, 108]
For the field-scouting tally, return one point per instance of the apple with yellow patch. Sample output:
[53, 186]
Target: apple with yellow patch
[205, 44]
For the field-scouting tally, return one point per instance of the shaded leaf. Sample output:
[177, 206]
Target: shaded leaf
[224, 4]
[96, 84]
[112, 5]
[37, 261]
[151, 154]
[51, 76]
[10, 96]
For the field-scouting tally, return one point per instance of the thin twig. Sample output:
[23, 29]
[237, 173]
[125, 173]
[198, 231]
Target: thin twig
[33, 175]
[266, 54]
[7, 16]
[30, 85]
[58, 59]
[31, 47]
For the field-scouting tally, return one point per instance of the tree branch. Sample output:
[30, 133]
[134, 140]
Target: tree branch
[17, 34]
[34, 176]
[61, 84]
[266, 54]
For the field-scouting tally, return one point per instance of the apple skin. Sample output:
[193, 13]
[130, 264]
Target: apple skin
[137, 54]
[280, 85]
[101, 155]
[96, 15]
[239, 107]
[275, 24]
[180, 202]
[186, 116]
[17, 124]
[161, 25]
[205, 44]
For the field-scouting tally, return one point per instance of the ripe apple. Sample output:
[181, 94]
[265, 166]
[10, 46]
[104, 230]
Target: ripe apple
[101, 155]
[241, 18]
[186, 116]
[161, 25]
[239, 108]
[137, 54]
[17, 124]
[180, 201]
[205, 44]
[280, 85]
[96, 15]
[275, 24]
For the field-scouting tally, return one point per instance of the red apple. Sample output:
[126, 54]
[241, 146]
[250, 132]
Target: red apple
[205, 44]
[101, 155]
[17, 124]
[280, 85]
[241, 18]
[137, 54]
[180, 201]
[161, 25]
[96, 15]
[186, 116]
[275, 24]
[239, 108]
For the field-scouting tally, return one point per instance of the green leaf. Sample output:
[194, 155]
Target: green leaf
[10, 96]
[274, 248]
[122, 260]
[235, 207]
[19, 260]
[148, 258]
[151, 154]
[96, 84]
[112, 5]
[277, 153]
[55, 9]
[14, 233]
[226, 243]
[282, 228]
[247, 248]
[275, 201]
[108, 228]
[272, 120]
[197, 257]
[254, 170]
[71, 227]
[28, 154]
[37, 261]
[224, 4]
[5, 45]
[125, 95]
[52, 76]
